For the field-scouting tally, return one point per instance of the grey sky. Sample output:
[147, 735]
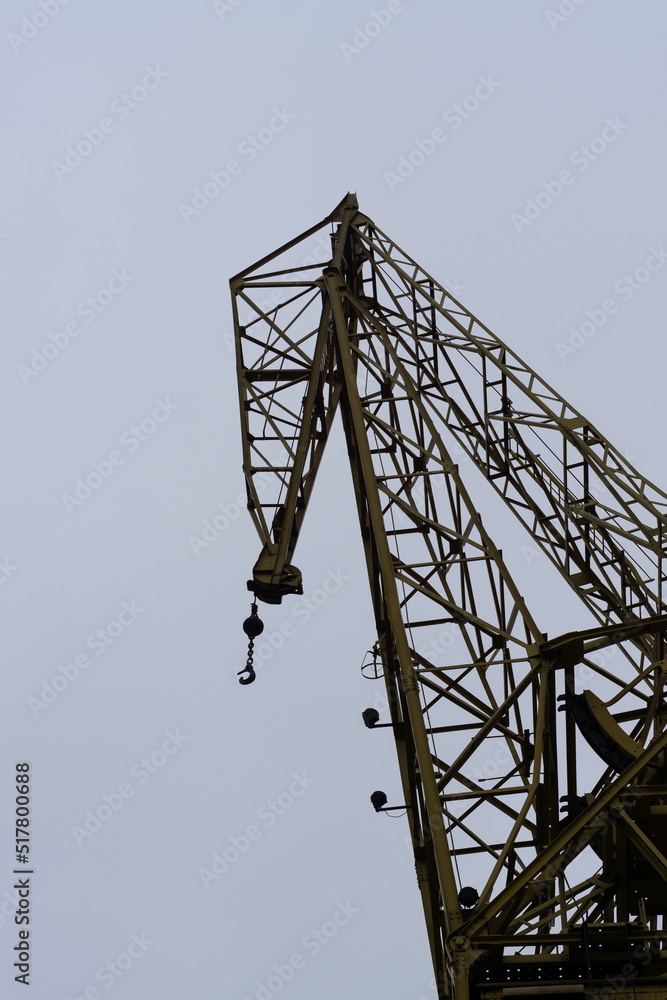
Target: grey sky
[115, 117]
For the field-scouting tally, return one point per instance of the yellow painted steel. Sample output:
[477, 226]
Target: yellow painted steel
[468, 671]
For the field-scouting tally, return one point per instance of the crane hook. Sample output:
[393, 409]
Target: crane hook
[252, 626]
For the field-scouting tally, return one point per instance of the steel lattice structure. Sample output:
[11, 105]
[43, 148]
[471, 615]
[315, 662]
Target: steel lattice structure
[369, 333]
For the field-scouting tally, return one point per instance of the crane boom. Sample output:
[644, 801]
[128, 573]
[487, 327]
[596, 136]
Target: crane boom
[410, 369]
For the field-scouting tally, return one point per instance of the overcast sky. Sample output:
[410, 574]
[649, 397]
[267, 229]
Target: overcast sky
[151, 151]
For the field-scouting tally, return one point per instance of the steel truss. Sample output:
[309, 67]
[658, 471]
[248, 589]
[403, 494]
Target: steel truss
[468, 671]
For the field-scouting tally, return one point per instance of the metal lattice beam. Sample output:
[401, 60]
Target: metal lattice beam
[374, 336]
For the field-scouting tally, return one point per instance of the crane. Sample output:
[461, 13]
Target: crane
[552, 878]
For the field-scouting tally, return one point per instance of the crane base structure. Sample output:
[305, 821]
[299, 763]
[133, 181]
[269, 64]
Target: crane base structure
[550, 878]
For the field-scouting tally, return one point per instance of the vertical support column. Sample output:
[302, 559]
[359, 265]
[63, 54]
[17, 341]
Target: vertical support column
[392, 609]
[570, 735]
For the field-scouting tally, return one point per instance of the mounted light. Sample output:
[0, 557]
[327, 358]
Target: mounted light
[371, 716]
[468, 897]
[379, 799]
